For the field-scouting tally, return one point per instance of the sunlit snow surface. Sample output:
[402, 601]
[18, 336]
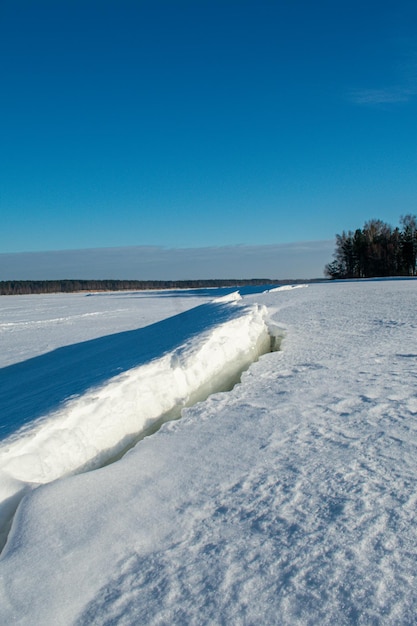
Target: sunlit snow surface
[289, 500]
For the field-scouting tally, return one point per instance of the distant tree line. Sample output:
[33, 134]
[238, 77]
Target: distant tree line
[376, 250]
[21, 287]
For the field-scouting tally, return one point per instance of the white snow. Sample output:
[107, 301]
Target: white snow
[289, 500]
[285, 288]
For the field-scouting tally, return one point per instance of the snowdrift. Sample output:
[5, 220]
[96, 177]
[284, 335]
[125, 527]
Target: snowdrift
[213, 343]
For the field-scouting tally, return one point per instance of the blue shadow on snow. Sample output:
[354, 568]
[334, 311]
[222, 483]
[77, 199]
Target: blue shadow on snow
[33, 388]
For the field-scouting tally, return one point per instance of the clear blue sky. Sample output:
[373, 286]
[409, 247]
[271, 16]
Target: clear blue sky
[204, 123]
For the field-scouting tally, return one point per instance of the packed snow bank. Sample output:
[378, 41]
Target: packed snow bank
[286, 288]
[91, 430]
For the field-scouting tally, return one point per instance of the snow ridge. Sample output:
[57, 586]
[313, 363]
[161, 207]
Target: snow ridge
[96, 428]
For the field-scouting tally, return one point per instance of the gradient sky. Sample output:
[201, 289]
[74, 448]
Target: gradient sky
[185, 124]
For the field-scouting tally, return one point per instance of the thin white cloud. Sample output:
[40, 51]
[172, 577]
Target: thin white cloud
[290, 260]
[388, 95]
[403, 87]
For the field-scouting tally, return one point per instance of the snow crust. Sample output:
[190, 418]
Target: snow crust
[290, 499]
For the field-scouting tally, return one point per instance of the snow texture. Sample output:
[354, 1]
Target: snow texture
[290, 499]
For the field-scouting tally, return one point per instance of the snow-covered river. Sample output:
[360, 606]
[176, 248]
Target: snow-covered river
[290, 499]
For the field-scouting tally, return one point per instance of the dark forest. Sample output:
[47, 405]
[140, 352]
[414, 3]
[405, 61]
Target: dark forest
[22, 287]
[376, 250]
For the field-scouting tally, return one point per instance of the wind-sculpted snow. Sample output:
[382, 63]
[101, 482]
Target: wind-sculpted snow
[96, 399]
[289, 500]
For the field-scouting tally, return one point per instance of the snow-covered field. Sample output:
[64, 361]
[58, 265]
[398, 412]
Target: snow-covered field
[290, 499]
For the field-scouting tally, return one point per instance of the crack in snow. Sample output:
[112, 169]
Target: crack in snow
[100, 426]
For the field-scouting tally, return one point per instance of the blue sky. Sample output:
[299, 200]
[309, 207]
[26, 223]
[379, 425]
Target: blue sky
[204, 124]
